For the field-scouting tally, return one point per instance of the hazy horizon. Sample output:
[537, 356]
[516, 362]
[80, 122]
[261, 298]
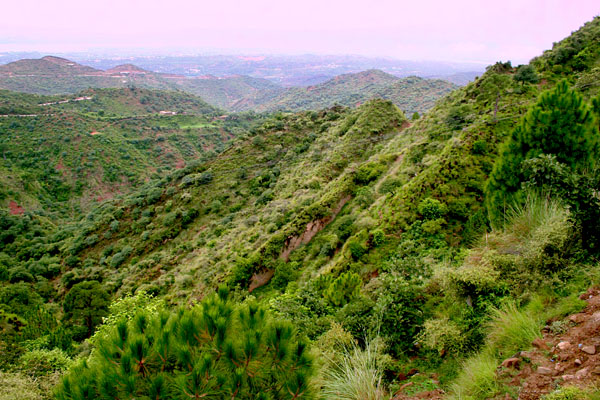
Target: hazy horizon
[461, 31]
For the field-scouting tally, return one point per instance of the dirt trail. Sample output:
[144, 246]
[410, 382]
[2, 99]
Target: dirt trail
[391, 172]
[570, 358]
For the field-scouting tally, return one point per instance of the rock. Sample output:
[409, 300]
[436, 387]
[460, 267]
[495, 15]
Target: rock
[559, 368]
[540, 344]
[568, 377]
[511, 362]
[578, 362]
[577, 318]
[545, 371]
[596, 371]
[527, 354]
[581, 373]
[564, 345]
[589, 349]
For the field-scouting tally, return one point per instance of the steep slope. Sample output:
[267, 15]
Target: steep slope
[411, 94]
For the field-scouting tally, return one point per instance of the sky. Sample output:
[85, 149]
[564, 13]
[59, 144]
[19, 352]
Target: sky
[450, 30]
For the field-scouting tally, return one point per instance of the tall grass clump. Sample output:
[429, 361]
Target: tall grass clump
[477, 379]
[511, 330]
[356, 375]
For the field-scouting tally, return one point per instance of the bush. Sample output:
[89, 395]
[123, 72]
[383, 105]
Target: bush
[44, 362]
[284, 273]
[343, 289]
[17, 386]
[442, 335]
[214, 348]
[432, 208]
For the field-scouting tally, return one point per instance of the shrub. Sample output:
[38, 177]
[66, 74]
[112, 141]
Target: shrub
[44, 362]
[17, 386]
[357, 250]
[85, 305]
[284, 273]
[432, 208]
[213, 349]
[442, 335]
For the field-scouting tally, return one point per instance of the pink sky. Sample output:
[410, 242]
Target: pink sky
[455, 30]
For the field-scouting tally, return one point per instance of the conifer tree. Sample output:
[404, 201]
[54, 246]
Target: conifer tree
[214, 350]
[561, 123]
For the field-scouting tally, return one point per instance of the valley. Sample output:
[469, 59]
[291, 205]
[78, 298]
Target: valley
[367, 236]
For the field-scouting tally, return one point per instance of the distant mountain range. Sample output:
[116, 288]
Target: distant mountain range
[54, 75]
[411, 94]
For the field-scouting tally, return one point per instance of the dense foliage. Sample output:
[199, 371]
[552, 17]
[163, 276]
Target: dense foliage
[367, 232]
[213, 350]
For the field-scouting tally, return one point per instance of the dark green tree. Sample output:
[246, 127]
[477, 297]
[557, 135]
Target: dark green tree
[85, 305]
[214, 350]
[526, 74]
[561, 123]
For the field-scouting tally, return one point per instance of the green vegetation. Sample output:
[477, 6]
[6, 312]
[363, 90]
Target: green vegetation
[214, 349]
[385, 247]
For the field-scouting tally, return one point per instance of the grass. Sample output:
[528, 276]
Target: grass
[512, 330]
[356, 376]
[477, 379]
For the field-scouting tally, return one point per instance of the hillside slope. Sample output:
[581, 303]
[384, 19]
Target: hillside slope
[65, 153]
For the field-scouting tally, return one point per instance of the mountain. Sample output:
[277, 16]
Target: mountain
[284, 70]
[370, 235]
[411, 94]
[52, 75]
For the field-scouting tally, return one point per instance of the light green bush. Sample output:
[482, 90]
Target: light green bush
[442, 335]
[43, 362]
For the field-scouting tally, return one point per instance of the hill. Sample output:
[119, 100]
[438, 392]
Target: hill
[411, 94]
[374, 236]
[62, 154]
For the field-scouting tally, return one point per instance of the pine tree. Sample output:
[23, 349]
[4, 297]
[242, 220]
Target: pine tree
[561, 123]
[214, 350]
[343, 289]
